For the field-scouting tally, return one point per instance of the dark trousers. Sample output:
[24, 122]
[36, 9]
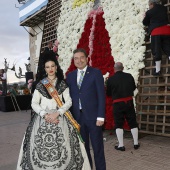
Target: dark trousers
[4, 88]
[160, 43]
[122, 110]
[89, 130]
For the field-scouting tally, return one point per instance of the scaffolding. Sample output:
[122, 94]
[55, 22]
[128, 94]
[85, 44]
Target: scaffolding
[153, 99]
[51, 23]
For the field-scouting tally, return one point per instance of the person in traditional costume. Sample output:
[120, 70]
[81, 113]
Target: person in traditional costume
[52, 140]
[121, 87]
[156, 18]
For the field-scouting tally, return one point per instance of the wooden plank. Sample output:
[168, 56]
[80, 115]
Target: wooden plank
[154, 94]
[168, 4]
[151, 76]
[154, 104]
[162, 66]
[155, 133]
[154, 85]
[153, 123]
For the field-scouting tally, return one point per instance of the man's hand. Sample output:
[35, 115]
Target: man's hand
[99, 123]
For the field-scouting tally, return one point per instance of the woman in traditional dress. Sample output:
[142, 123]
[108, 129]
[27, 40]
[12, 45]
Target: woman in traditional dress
[52, 140]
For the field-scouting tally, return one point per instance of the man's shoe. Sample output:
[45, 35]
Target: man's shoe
[120, 148]
[157, 74]
[136, 146]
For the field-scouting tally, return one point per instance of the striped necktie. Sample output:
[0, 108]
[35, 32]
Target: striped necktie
[81, 78]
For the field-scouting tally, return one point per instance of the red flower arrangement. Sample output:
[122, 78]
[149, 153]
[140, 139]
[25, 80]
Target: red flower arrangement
[101, 57]
[83, 42]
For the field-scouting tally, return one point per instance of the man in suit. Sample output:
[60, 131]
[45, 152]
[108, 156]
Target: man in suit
[88, 105]
[121, 86]
[156, 18]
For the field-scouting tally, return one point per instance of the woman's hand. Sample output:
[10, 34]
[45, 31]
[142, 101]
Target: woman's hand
[52, 118]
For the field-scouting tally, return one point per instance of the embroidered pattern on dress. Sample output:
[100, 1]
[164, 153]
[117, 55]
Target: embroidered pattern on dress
[26, 162]
[45, 146]
[49, 147]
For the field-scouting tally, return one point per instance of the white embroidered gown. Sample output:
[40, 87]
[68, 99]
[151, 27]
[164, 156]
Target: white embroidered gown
[49, 146]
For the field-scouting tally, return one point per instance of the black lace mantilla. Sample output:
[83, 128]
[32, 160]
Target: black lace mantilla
[26, 162]
[60, 86]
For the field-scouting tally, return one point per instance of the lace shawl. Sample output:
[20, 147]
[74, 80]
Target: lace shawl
[60, 86]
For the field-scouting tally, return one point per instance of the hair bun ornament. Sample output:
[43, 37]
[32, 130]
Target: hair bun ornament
[48, 56]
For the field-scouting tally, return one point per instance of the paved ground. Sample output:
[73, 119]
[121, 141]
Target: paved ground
[154, 153]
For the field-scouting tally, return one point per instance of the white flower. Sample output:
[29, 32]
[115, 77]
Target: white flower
[70, 28]
[123, 20]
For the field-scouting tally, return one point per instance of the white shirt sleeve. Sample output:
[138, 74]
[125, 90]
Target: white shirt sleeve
[100, 118]
[36, 104]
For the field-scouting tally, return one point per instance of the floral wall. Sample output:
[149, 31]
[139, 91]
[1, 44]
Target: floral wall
[124, 23]
[110, 33]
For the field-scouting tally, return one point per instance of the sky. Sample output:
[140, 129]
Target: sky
[14, 40]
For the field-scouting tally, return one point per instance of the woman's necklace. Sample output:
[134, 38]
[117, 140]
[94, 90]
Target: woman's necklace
[51, 80]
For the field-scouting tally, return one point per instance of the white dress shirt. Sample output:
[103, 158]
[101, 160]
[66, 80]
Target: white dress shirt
[79, 74]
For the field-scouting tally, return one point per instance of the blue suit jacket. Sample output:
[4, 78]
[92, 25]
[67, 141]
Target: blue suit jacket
[91, 94]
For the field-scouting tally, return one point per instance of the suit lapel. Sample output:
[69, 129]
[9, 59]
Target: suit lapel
[85, 79]
[75, 78]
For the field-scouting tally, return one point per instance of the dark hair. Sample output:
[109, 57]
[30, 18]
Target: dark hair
[45, 57]
[80, 50]
[154, 2]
